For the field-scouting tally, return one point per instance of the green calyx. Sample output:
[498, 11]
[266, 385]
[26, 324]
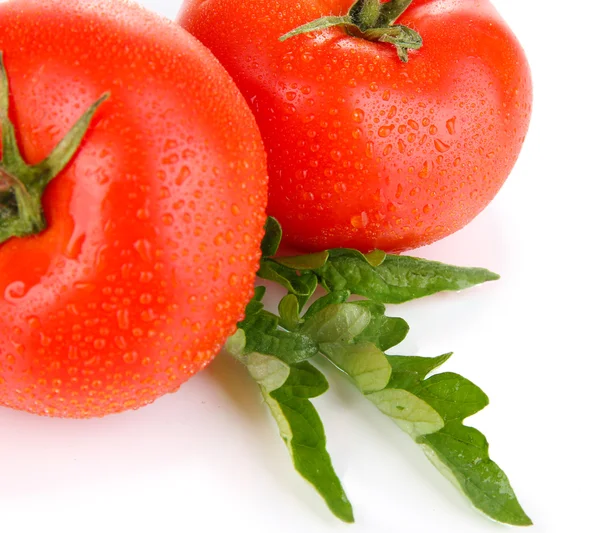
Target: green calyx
[373, 21]
[22, 185]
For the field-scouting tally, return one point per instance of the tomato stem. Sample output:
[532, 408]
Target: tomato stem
[373, 21]
[22, 185]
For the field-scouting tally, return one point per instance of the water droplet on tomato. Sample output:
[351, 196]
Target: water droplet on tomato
[123, 319]
[183, 176]
[360, 221]
[385, 131]
[451, 126]
[441, 146]
[15, 291]
[130, 357]
[358, 115]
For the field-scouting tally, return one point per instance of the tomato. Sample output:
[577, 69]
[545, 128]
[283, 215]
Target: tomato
[153, 229]
[365, 150]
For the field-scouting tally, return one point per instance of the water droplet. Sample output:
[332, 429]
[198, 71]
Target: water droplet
[144, 249]
[130, 357]
[360, 221]
[370, 149]
[120, 342]
[358, 115]
[441, 146]
[385, 131]
[183, 175]
[413, 124]
[425, 170]
[123, 319]
[15, 291]
[451, 126]
[75, 246]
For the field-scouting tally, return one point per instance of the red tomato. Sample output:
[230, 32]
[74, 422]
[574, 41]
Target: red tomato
[364, 150]
[154, 228]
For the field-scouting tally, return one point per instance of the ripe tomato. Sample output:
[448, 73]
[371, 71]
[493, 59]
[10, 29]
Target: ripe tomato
[154, 228]
[365, 150]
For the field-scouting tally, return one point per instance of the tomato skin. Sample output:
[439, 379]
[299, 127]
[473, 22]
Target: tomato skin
[365, 151]
[154, 229]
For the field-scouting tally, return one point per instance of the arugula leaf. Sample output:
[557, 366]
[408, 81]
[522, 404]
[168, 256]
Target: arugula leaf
[395, 279]
[432, 410]
[302, 430]
[276, 360]
[264, 336]
[272, 239]
[461, 454]
[302, 285]
[354, 337]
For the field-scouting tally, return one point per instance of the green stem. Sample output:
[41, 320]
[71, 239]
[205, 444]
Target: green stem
[391, 11]
[372, 21]
[22, 185]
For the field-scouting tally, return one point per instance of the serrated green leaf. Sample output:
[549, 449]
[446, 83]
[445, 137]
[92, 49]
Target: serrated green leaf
[376, 257]
[383, 331]
[421, 366]
[364, 362]
[461, 453]
[255, 305]
[305, 262]
[301, 285]
[289, 312]
[269, 372]
[397, 279]
[236, 344]
[264, 336]
[415, 416]
[302, 430]
[272, 239]
[431, 411]
[329, 299]
[339, 323]
[453, 396]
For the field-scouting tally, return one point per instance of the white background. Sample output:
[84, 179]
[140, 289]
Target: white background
[208, 459]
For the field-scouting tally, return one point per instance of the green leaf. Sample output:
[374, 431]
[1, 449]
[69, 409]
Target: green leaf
[364, 361]
[263, 335]
[301, 285]
[329, 299]
[305, 262]
[422, 366]
[431, 410]
[397, 279]
[300, 426]
[289, 312]
[272, 239]
[269, 372]
[461, 453]
[414, 415]
[256, 305]
[383, 331]
[339, 323]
